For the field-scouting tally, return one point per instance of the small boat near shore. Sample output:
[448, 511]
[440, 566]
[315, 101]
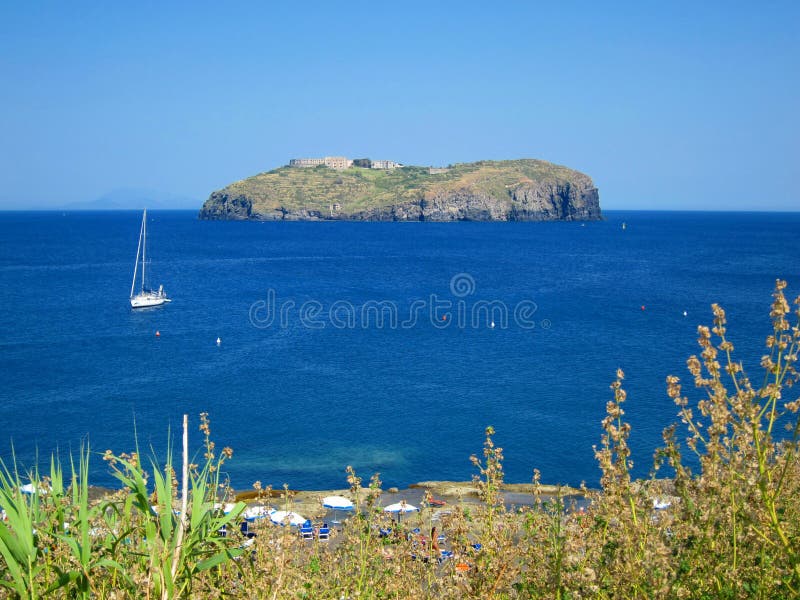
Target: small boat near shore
[145, 297]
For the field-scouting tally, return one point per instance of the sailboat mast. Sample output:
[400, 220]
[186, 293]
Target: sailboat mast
[144, 245]
[136, 264]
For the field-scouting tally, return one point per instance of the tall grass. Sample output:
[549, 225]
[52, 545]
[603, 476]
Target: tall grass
[134, 543]
[725, 524]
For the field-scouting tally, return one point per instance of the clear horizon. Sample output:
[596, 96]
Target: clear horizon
[666, 107]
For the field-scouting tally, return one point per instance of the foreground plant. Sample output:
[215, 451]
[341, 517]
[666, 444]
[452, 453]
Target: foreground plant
[741, 533]
[19, 544]
[58, 540]
[176, 544]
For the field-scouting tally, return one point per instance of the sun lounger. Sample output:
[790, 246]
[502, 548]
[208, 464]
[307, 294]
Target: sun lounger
[245, 529]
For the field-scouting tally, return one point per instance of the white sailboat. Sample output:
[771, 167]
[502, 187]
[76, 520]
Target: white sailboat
[145, 297]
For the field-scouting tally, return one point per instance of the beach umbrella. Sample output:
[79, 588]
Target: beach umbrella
[400, 507]
[30, 488]
[337, 503]
[280, 517]
[225, 508]
[257, 511]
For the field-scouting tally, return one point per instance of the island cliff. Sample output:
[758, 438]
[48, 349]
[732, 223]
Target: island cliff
[511, 190]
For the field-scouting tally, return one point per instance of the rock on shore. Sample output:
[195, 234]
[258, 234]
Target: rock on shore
[455, 489]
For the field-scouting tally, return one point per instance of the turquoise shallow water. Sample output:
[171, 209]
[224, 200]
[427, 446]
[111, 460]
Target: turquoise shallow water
[309, 392]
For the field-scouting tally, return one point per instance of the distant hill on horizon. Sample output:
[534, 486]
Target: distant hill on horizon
[133, 199]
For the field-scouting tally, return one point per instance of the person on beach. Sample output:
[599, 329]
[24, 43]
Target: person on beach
[434, 540]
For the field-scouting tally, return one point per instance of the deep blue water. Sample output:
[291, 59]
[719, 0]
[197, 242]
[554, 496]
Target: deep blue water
[299, 403]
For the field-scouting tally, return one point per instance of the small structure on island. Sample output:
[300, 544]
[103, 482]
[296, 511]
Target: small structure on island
[385, 164]
[332, 162]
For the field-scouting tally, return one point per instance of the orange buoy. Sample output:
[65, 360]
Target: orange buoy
[444, 317]
[158, 333]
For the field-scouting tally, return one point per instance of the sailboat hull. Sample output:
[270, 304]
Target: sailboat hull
[146, 300]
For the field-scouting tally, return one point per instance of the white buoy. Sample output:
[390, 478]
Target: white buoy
[219, 341]
[685, 314]
[492, 325]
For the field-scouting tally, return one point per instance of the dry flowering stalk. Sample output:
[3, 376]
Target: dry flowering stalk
[742, 500]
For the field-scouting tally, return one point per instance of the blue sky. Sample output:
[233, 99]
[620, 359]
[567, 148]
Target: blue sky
[666, 105]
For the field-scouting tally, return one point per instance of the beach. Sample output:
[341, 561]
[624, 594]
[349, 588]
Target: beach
[453, 493]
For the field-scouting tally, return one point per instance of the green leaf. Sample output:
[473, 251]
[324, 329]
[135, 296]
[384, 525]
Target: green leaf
[64, 579]
[14, 568]
[112, 564]
[22, 551]
[218, 559]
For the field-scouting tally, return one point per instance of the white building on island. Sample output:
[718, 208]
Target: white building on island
[385, 164]
[339, 162]
[332, 162]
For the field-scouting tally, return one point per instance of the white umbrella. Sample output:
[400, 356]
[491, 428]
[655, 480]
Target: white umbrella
[256, 511]
[225, 508]
[400, 507]
[281, 516]
[30, 488]
[337, 503]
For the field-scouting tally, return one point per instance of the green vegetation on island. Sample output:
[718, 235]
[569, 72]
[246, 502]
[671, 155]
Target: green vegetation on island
[525, 190]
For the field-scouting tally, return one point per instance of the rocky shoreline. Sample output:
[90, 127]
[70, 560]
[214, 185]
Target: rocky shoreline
[309, 502]
[468, 488]
[543, 202]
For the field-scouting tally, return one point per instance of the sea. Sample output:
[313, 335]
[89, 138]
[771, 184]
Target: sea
[390, 347]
